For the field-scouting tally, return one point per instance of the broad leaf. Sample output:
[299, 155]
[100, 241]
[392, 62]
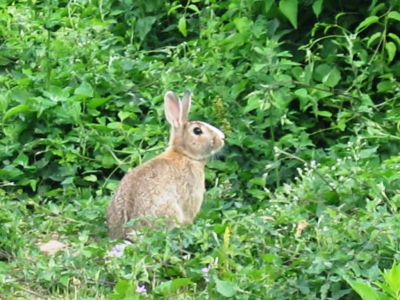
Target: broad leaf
[365, 291]
[367, 22]
[85, 89]
[182, 26]
[317, 7]
[16, 110]
[394, 15]
[290, 9]
[391, 51]
[373, 38]
[172, 286]
[144, 25]
[225, 288]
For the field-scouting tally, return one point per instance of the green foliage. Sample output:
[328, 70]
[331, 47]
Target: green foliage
[304, 196]
[337, 221]
[390, 286]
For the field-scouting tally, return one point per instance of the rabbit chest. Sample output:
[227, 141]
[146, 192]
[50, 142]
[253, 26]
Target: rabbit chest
[190, 190]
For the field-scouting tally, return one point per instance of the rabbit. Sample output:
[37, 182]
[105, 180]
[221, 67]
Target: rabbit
[172, 184]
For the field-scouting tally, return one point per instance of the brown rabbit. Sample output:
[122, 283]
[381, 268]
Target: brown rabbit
[171, 185]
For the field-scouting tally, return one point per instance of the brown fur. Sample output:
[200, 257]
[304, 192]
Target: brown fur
[171, 184]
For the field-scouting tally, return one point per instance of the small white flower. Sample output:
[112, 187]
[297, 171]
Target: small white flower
[118, 250]
[313, 164]
[205, 272]
[141, 289]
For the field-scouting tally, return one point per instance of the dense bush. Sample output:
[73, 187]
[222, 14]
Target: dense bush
[304, 196]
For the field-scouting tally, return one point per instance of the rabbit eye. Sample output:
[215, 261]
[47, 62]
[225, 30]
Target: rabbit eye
[197, 131]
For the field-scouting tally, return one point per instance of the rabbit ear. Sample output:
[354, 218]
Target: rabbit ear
[186, 103]
[173, 109]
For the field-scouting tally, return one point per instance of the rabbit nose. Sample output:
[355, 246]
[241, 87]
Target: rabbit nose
[221, 135]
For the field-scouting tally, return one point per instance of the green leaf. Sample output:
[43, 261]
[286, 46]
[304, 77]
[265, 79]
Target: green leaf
[20, 95]
[377, 8]
[258, 67]
[242, 24]
[324, 113]
[56, 94]
[178, 283]
[127, 64]
[269, 257]
[392, 277]
[268, 4]
[373, 37]
[33, 183]
[11, 172]
[172, 286]
[107, 160]
[225, 288]
[303, 97]
[321, 71]
[174, 8]
[332, 78]
[385, 86]
[122, 115]
[182, 26]
[395, 38]
[91, 178]
[386, 289]
[322, 92]
[308, 74]
[260, 181]
[367, 153]
[391, 51]
[365, 291]
[4, 61]
[327, 74]
[121, 287]
[144, 25]
[289, 8]
[394, 15]
[16, 110]
[3, 103]
[254, 102]
[64, 280]
[96, 102]
[302, 93]
[366, 100]
[22, 160]
[75, 111]
[44, 104]
[317, 7]
[367, 22]
[298, 72]
[341, 125]
[85, 89]
[194, 8]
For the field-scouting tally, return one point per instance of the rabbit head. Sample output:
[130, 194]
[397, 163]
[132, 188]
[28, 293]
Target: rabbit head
[193, 139]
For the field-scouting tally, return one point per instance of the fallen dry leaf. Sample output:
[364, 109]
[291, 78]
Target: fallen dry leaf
[303, 224]
[267, 218]
[52, 247]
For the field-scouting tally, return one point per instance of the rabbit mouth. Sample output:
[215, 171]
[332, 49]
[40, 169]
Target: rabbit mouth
[217, 146]
[215, 151]
[206, 153]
